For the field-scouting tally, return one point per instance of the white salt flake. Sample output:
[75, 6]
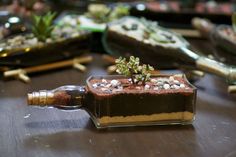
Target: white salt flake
[176, 87]
[146, 87]
[32, 41]
[115, 83]
[182, 85]
[102, 85]
[166, 86]
[176, 81]
[95, 85]
[159, 83]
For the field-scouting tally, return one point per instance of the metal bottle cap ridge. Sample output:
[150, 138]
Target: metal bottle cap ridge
[41, 98]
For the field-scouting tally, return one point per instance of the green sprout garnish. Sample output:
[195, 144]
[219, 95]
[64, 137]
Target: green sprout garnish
[234, 21]
[100, 13]
[43, 26]
[132, 69]
[118, 12]
[151, 32]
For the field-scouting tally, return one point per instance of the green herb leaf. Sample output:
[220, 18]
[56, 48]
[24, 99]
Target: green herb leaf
[133, 69]
[43, 26]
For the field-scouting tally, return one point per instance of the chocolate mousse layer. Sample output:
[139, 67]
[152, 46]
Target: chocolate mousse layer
[121, 38]
[165, 99]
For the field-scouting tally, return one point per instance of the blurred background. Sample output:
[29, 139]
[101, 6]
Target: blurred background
[16, 18]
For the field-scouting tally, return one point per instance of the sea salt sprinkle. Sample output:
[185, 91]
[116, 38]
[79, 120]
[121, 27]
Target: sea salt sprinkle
[166, 86]
[167, 83]
[182, 85]
[146, 87]
[160, 83]
[176, 81]
[176, 87]
[109, 86]
[115, 83]
[163, 83]
[95, 85]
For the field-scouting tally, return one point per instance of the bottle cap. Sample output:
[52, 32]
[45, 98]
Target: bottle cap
[41, 98]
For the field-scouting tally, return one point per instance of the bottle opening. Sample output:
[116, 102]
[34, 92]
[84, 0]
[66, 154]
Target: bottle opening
[41, 98]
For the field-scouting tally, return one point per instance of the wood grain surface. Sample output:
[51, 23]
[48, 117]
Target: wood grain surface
[34, 132]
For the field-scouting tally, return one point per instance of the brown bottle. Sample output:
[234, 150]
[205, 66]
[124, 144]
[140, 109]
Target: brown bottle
[64, 97]
[111, 102]
[121, 39]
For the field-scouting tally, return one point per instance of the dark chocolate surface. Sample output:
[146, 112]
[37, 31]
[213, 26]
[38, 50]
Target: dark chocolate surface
[155, 55]
[140, 104]
[126, 103]
[50, 53]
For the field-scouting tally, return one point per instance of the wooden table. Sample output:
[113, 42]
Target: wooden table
[28, 131]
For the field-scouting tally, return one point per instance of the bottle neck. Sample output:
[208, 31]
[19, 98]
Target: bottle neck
[65, 97]
[212, 66]
[217, 68]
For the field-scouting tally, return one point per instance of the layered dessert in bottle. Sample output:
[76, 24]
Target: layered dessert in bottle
[112, 101]
[48, 42]
[159, 47]
[222, 36]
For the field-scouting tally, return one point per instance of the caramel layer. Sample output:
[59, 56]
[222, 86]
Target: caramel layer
[184, 116]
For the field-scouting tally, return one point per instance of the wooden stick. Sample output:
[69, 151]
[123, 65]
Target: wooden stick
[109, 59]
[58, 64]
[188, 32]
[232, 89]
[24, 78]
[4, 68]
[198, 73]
[79, 67]
[22, 73]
